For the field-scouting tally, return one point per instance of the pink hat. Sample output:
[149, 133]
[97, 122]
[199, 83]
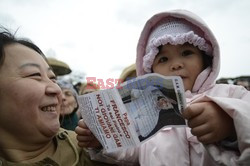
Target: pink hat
[173, 27]
[172, 31]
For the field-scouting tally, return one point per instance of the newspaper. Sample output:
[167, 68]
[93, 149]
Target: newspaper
[130, 113]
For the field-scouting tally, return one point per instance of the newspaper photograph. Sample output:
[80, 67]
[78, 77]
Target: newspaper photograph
[132, 112]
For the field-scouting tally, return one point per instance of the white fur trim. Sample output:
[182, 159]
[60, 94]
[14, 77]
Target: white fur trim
[154, 43]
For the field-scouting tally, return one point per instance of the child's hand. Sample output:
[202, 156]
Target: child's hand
[85, 137]
[209, 122]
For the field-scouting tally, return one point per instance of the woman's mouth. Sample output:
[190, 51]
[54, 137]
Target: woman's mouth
[51, 108]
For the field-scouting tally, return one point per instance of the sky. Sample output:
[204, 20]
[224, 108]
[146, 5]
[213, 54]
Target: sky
[98, 38]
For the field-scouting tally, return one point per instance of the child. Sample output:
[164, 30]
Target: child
[179, 43]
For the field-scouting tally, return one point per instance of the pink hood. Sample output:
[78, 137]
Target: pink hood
[207, 78]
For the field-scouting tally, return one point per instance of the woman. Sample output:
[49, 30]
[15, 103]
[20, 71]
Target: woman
[68, 116]
[29, 110]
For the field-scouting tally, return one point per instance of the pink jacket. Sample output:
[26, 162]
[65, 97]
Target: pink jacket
[177, 146]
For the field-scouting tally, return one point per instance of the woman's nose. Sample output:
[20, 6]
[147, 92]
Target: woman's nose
[53, 89]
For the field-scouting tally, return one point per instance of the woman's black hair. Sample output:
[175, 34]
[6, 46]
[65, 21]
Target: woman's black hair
[6, 38]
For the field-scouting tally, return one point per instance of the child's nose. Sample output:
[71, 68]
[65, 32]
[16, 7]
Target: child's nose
[176, 66]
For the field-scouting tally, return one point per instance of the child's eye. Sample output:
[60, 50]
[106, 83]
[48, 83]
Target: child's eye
[187, 53]
[163, 59]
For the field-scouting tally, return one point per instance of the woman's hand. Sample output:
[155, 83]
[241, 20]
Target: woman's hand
[85, 137]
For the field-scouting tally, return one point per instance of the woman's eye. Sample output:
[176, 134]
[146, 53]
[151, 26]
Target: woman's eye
[187, 53]
[53, 79]
[34, 75]
[68, 94]
[163, 59]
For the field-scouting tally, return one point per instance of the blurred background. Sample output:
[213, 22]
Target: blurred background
[98, 38]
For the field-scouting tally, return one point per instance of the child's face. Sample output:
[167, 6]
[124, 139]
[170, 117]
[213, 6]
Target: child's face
[179, 60]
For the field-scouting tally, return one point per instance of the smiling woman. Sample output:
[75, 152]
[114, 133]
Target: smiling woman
[29, 109]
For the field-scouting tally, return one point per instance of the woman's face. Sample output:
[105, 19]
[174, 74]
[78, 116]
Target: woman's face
[29, 96]
[69, 102]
